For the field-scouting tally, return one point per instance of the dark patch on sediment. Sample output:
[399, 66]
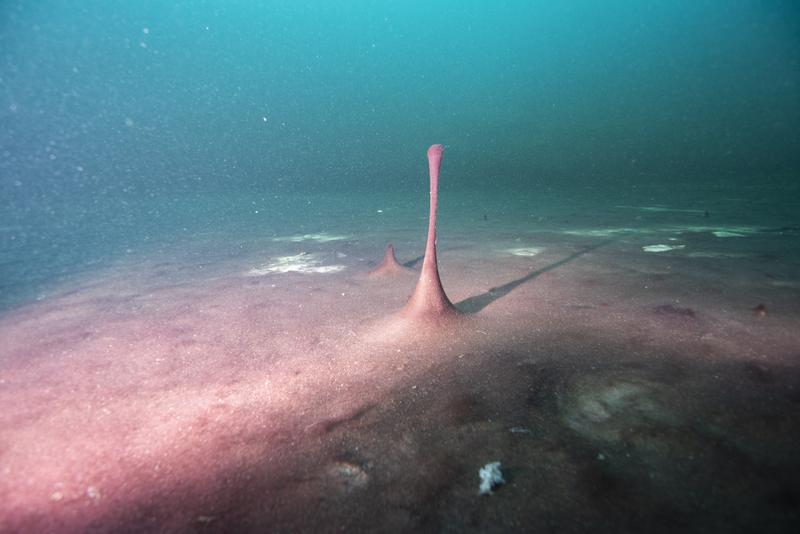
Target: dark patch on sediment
[660, 277]
[794, 394]
[668, 310]
[442, 474]
[544, 383]
[332, 424]
[464, 409]
[599, 482]
[665, 371]
[784, 498]
[671, 372]
[758, 372]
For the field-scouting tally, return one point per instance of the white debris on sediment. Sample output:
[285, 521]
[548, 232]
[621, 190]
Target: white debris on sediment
[347, 477]
[299, 263]
[322, 237]
[491, 477]
[662, 248]
[524, 251]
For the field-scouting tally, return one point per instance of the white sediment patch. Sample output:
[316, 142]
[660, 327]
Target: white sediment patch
[719, 231]
[725, 233]
[723, 255]
[605, 232]
[322, 237]
[794, 284]
[662, 248]
[524, 251]
[661, 209]
[299, 263]
[605, 407]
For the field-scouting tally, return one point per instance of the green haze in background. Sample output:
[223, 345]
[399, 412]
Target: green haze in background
[104, 103]
[167, 95]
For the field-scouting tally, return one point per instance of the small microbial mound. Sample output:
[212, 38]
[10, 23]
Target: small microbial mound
[389, 265]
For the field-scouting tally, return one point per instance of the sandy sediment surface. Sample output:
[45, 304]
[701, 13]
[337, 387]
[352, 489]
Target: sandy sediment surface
[621, 390]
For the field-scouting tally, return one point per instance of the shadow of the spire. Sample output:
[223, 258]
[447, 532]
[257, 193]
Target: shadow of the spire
[413, 263]
[474, 304]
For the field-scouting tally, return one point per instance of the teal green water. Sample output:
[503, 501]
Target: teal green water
[123, 124]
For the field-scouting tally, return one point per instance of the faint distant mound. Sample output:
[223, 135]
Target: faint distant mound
[389, 266]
